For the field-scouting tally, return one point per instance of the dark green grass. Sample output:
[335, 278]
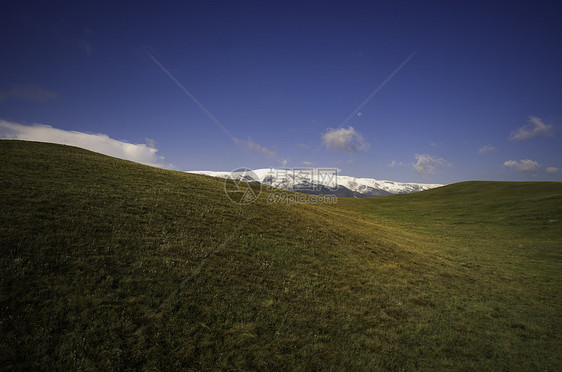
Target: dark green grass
[107, 264]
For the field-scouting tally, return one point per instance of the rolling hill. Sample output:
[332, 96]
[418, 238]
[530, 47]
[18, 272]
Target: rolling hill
[108, 264]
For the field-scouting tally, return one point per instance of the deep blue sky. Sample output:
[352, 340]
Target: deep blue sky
[279, 75]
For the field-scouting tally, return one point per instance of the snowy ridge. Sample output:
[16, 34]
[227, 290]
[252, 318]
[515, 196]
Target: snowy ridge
[303, 181]
[393, 187]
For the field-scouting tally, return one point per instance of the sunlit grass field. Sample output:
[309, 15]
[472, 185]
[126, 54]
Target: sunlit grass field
[108, 264]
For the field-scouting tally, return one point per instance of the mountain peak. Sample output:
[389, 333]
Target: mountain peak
[323, 181]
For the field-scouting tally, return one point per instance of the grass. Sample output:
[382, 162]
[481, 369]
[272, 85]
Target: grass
[108, 264]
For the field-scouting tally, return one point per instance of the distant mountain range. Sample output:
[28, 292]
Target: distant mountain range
[322, 182]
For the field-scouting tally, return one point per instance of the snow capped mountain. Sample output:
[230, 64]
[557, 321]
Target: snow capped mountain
[322, 181]
[392, 187]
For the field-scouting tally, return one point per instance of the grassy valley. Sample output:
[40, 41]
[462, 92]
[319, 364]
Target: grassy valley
[108, 264]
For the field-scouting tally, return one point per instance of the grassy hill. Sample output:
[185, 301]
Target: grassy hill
[108, 264]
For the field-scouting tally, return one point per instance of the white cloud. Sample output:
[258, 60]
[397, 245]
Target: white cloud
[28, 93]
[425, 164]
[553, 170]
[485, 150]
[140, 153]
[304, 146]
[342, 139]
[309, 163]
[252, 146]
[529, 166]
[535, 128]
[433, 144]
[395, 163]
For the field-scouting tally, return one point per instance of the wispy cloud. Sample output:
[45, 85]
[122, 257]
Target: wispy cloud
[553, 170]
[84, 46]
[426, 164]
[342, 139]
[140, 153]
[485, 150]
[308, 163]
[304, 146]
[527, 165]
[535, 128]
[395, 163]
[252, 146]
[27, 93]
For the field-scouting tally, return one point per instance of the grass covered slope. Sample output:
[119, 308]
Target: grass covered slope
[110, 264]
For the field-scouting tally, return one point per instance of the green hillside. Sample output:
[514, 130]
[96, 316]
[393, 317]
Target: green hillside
[108, 264]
